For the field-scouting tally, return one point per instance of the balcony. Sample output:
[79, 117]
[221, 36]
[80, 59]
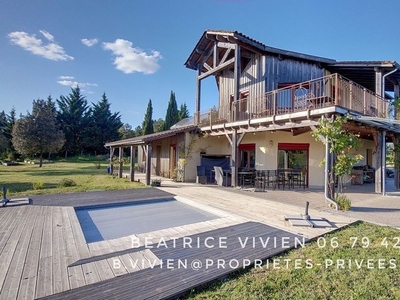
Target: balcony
[332, 90]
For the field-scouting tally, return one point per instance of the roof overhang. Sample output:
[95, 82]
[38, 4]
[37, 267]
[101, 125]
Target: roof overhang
[145, 139]
[210, 37]
[379, 123]
[363, 72]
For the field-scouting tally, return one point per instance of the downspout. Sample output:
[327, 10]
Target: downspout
[331, 201]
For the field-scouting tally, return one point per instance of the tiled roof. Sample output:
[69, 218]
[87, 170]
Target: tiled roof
[139, 140]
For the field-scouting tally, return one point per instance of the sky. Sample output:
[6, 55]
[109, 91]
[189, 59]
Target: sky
[135, 50]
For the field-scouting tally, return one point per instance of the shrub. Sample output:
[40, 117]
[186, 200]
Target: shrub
[66, 182]
[97, 165]
[38, 185]
[343, 202]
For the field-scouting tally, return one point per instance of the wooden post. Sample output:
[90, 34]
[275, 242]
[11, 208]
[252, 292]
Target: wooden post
[132, 162]
[111, 160]
[378, 162]
[148, 163]
[234, 158]
[121, 164]
[237, 73]
[198, 96]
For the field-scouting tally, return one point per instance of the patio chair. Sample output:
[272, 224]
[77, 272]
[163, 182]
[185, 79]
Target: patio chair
[220, 179]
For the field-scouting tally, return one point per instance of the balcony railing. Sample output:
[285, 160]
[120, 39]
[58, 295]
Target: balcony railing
[332, 90]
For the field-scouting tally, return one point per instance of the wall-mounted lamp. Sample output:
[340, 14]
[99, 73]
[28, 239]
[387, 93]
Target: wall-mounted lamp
[271, 143]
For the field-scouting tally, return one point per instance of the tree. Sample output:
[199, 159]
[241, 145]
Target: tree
[104, 125]
[341, 143]
[38, 132]
[7, 123]
[126, 131]
[183, 112]
[158, 125]
[171, 117]
[147, 126]
[74, 119]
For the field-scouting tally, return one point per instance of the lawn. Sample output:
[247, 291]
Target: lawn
[361, 261]
[89, 173]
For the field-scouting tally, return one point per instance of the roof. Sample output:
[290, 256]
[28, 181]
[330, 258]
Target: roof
[206, 43]
[381, 123]
[363, 72]
[140, 140]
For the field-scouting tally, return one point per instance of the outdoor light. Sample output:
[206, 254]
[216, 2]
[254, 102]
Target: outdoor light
[271, 143]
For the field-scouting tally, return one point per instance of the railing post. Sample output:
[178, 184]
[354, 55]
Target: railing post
[275, 102]
[351, 95]
[364, 101]
[336, 88]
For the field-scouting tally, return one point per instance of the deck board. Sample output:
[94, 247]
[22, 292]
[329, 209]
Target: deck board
[167, 282]
[15, 269]
[29, 276]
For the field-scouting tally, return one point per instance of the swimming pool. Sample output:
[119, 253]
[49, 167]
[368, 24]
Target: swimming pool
[110, 222]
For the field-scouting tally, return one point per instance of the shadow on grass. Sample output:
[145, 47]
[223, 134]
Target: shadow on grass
[80, 171]
[17, 187]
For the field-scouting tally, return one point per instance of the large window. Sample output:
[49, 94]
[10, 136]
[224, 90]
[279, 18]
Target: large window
[247, 154]
[294, 156]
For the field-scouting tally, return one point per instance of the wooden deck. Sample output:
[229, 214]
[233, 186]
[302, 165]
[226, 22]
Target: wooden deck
[175, 268]
[43, 253]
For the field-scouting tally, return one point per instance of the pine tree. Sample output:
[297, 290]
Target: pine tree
[147, 126]
[104, 125]
[74, 118]
[172, 112]
[183, 112]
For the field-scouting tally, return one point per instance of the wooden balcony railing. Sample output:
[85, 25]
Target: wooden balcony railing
[332, 90]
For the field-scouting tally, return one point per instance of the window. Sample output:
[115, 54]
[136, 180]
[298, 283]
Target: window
[247, 154]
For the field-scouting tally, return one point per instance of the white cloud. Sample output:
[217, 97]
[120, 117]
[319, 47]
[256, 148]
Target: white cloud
[131, 59]
[69, 81]
[66, 77]
[90, 42]
[51, 51]
[47, 35]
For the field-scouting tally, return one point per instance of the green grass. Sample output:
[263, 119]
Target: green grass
[320, 282]
[23, 179]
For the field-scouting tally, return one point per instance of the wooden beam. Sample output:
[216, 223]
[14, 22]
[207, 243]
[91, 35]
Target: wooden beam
[148, 163]
[120, 162]
[198, 96]
[301, 130]
[226, 45]
[132, 162]
[234, 159]
[223, 59]
[111, 160]
[216, 69]
[378, 163]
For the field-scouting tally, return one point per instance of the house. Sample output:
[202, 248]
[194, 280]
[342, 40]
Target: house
[269, 101]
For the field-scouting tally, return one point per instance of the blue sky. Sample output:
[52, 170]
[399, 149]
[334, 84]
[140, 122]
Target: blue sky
[135, 50]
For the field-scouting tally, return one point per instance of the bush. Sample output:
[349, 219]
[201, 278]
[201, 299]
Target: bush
[97, 165]
[66, 182]
[38, 185]
[343, 202]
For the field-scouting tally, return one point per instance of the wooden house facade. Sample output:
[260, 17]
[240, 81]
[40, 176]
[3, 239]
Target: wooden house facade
[270, 100]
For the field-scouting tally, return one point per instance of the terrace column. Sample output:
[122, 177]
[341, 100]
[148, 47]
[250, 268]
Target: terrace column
[120, 162]
[396, 142]
[379, 179]
[111, 160]
[234, 158]
[148, 163]
[198, 96]
[132, 162]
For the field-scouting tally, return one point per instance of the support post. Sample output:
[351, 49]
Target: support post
[111, 160]
[132, 162]
[120, 162]
[237, 82]
[383, 175]
[148, 163]
[198, 96]
[234, 159]
[378, 163]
